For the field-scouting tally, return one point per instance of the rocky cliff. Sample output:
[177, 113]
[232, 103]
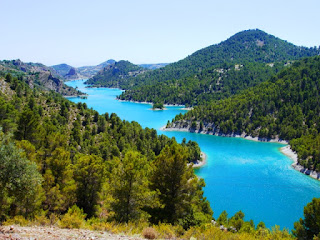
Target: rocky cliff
[37, 74]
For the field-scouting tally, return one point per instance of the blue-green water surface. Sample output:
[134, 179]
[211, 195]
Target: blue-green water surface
[254, 177]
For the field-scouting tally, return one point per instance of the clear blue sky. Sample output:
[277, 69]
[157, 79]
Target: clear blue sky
[89, 32]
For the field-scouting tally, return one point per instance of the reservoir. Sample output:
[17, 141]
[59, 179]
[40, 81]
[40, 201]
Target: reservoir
[254, 177]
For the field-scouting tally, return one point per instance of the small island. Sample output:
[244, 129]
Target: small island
[157, 106]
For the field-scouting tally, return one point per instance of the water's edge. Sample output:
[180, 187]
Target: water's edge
[284, 150]
[293, 155]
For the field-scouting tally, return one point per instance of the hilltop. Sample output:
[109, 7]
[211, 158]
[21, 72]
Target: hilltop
[211, 72]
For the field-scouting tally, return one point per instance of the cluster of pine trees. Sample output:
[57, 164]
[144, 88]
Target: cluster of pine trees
[214, 83]
[55, 154]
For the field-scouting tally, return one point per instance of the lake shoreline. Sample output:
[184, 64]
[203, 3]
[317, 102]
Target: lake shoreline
[246, 137]
[166, 105]
[294, 157]
[75, 96]
[200, 163]
[286, 150]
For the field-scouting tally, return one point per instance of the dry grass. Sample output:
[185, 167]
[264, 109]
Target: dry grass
[43, 228]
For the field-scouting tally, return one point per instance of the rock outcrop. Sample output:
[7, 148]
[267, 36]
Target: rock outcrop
[72, 74]
[37, 74]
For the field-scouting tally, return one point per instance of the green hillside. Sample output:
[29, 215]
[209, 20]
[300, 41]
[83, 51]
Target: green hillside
[55, 154]
[199, 74]
[211, 84]
[287, 107]
[115, 74]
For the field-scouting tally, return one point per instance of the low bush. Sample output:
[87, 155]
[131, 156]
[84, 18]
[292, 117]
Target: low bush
[17, 220]
[74, 218]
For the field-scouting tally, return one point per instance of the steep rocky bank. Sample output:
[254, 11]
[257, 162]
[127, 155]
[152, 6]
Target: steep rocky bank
[209, 128]
[288, 152]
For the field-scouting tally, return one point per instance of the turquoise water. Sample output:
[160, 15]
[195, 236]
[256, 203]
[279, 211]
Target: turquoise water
[240, 175]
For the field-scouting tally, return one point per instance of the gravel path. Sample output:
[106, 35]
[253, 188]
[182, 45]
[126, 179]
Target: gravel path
[49, 233]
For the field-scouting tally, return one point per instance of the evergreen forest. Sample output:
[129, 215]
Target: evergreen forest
[284, 107]
[58, 154]
[64, 163]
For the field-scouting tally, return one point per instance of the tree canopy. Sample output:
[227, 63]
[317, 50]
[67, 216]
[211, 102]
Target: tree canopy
[309, 227]
[67, 156]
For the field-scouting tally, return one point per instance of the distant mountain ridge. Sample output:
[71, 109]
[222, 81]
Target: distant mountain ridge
[71, 73]
[62, 69]
[90, 71]
[111, 75]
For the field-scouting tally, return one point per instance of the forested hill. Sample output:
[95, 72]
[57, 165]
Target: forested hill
[211, 84]
[250, 45]
[115, 74]
[58, 157]
[200, 73]
[36, 75]
[286, 106]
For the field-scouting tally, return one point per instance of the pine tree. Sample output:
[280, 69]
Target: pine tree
[27, 126]
[89, 175]
[309, 227]
[130, 188]
[181, 195]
